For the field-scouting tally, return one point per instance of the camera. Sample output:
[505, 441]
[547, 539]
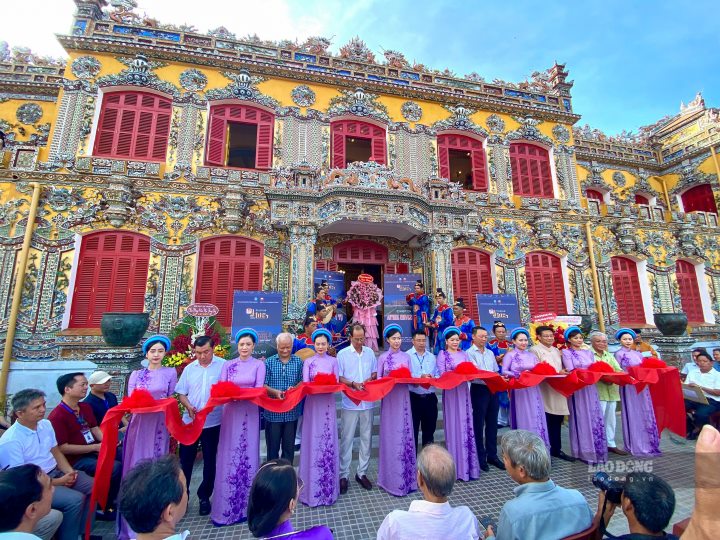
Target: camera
[613, 490]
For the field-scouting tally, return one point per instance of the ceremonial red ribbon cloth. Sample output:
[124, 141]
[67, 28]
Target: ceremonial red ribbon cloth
[664, 384]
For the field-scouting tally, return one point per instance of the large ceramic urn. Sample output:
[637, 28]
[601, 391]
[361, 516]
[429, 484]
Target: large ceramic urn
[124, 329]
[671, 324]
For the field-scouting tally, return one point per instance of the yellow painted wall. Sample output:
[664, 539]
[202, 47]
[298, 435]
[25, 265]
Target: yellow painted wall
[8, 110]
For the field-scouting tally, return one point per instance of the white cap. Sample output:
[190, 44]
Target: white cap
[99, 377]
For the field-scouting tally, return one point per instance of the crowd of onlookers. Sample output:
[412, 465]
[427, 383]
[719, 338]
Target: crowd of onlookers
[48, 467]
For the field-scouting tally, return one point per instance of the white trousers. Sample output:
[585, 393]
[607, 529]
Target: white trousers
[349, 420]
[609, 410]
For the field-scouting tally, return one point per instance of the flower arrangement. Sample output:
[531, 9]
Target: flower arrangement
[364, 295]
[183, 335]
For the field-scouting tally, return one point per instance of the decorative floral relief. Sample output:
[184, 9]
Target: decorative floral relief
[29, 113]
[495, 124]
[411, 111]
[619, 178]
[193, 80]
[303, 96]
[561, 133]
[85, 67]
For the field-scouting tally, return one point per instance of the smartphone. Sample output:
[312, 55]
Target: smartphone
[489, 521]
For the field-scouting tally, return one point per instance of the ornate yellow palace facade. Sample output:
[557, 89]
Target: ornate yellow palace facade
[157, 166]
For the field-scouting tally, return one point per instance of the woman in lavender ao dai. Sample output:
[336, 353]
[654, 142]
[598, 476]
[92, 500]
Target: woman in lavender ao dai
[238, 455]
[396, 464]
[457, 411]
[527, 410]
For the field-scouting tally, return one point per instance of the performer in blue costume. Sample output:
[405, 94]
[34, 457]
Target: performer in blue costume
[442, 319]
[304, 340]
[464, 323]
[499, 345]
[420, 304]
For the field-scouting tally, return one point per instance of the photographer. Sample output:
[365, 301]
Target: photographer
[647, 501]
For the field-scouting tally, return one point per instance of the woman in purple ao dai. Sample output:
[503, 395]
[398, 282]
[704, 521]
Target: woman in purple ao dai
[147, 437]
[587, 427]
[396, 466]
[640, 432]
[457, 411]
[527, 410]
[319, 458]
[238, 455]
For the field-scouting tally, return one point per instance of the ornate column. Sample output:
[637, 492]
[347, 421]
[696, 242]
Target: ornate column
[188, 130]
[567, 174]
[302, 264]
[438, 251]
[499, 150]
[75, 113]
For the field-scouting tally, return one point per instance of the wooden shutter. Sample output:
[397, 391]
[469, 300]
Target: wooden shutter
[228, 264]
[396, 268]
[471, 275]
[220, 115]
[133, 125]
[546, 288]
[641, 199]
[360, 252]
[111, 276]
[326, 265]
[531, 174]
[689, 291]
[453, 141]
[699, 199]
[626, 287]
[594, 195]
[346, 128]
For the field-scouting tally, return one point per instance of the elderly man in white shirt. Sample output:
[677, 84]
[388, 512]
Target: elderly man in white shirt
[423, 401]
[484, 403]
[433, 517]
[32, 440]
[193, 391]
[357, 365]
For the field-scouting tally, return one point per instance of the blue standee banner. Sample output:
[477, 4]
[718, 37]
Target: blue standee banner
[336, 283]
[261, 311]
[396, 309]
[498, 307]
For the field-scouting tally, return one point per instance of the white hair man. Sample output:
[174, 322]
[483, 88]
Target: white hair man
[283, 371]
[608, 393]
[433, 517]
[540, 508]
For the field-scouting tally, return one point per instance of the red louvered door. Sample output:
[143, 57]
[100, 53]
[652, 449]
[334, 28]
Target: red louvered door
[471, 275]
[626, 287]
[360, 252]
[531, 176]
[699, 199]
[133, 125]
[689, 291]
[344, 129]
[227, 264]
[466, 144]
[594, 195]
[545, 284]
[111, 276]
[221, 115]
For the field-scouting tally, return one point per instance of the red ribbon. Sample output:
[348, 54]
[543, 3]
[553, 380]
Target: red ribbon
[664, 383]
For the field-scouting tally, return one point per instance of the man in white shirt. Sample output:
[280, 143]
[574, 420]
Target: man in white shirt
[484, 403]
[357, 365]
[423, 401]
[25, 498]
[193, 391]
[556, 407]
[433, 517]
[706, 379]
[32, 440]
[691, 365]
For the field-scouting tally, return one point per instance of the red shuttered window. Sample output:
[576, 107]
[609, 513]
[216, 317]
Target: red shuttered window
[133, 125]
[396, 268]
[225, 265]
[699, 199]
[326, 264]
[594, 195]
[641, 199]
[531, 175]
[475, 153]
[360, 252]
[471, 275]
[111, 276]
[626, 287]
[221, 116]
[689, 291]
[546, 288]
[344, 130]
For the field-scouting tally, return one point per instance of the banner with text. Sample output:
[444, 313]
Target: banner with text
[498, 307]
[396, 308]
[336, 283]
[261, 311]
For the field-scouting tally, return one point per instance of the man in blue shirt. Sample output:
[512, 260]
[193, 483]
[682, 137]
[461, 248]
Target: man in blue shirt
[540, 508]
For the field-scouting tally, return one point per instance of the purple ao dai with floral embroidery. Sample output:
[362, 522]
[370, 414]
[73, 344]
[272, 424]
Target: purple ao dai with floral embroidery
[587, 427]
[319, 456]
[396, 466]
[640, 432]
[146, 437]
[457, 415]
[238, 455]
[527, 410]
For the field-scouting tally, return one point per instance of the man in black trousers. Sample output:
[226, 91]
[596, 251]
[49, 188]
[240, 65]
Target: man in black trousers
[484, 403]
[423, 401]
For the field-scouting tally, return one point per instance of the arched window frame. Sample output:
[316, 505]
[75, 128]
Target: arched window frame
[682, 203]
[481, 184]
[645, 294]
[551, 159]
[347, 119]
[563, 274]
[698, 268]
[471, 301]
